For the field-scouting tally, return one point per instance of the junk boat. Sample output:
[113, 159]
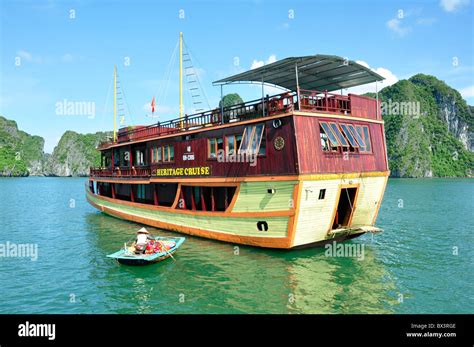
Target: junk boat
[297, 169]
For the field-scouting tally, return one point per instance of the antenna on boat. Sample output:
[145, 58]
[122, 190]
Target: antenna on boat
[115, 103]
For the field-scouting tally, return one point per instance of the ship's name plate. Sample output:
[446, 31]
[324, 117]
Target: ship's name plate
[184, 171]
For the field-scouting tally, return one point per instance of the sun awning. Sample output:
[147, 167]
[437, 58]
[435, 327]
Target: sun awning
[315, 72]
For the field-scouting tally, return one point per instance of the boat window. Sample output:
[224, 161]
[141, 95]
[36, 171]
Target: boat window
[338, 133]
[238, 142]
[159, 156]
[322, 194]
[368, 147]
[165, 193]
[139, 157]
[124, 158]
[233, 143]
[212, 148]
[349, 136]
[141, 191]
[248, 133]
[168, 153]
[230, 144]
[220, 144]
[356, 135]
[329, 134]
[163, 154]
[171, 152]
[252, 139]
[263, 146]
[205, 198]
[363, 131]
[325, 145]
[154, 154]
[116, 157]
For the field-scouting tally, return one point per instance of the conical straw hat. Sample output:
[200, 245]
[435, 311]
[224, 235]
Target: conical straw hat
[143, 231]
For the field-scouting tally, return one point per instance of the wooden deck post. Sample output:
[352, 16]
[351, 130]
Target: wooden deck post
[297, 88]
[203, 201]
[113, 159]
[181, 198]
[193, 202]
[155, 194]
[226, 202]
[213, 201]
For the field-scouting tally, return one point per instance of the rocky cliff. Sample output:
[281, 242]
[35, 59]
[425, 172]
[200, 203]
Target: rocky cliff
[22, 154]
[428, 126]
[429, 129]
[74, 154]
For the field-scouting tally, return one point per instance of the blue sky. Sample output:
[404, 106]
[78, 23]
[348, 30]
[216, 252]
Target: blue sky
[53, 51]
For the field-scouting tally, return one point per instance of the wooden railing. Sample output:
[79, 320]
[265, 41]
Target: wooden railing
[310, 101]
[121, 171]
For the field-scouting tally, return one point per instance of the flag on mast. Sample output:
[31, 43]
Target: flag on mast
[153, 105]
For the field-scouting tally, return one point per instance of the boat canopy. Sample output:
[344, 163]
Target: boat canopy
[312, 72]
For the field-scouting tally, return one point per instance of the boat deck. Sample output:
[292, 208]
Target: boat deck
[309, 101]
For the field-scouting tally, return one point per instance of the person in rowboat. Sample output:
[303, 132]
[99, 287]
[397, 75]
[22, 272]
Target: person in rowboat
[142, 239]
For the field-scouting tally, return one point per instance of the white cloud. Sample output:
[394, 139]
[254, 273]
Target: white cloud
[29, 57]
[390, 78]
[467, 92]
[453, 5]
[395, 25]
[258, 63]
[426, 21]
[283, 26]
[25, 55]
[67, 58]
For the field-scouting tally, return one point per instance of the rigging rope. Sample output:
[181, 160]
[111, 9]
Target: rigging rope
[201, 89]
[126, 104]
[106, 102]
[162, 91]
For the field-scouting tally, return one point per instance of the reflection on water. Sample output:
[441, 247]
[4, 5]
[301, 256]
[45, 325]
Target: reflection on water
[211, 276]
[410, 268]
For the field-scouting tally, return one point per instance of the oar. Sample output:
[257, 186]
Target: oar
[164, 247]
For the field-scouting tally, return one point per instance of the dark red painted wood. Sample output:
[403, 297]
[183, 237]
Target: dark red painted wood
[364, 107]
[155, 195]
[302, 152]
[273, 163]
[312, 159]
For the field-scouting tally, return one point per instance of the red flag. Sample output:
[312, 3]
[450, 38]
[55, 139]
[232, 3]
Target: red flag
[153, 105]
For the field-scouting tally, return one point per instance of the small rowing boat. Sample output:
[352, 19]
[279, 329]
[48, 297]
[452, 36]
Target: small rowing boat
[158, 248]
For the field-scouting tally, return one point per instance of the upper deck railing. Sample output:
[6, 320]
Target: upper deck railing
[309, 101]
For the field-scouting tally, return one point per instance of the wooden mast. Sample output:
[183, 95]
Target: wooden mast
[115, 103]
[181, 79]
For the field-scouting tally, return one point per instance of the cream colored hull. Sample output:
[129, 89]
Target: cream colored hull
[291, 208]
[315, 216]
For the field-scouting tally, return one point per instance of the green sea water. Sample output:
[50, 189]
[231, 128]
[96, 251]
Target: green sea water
[422, 263]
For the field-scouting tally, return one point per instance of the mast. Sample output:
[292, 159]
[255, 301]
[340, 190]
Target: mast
[181, 78]
[115, 103]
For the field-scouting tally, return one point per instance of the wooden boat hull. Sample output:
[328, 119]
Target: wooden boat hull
[139, 260]
[306, 221]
